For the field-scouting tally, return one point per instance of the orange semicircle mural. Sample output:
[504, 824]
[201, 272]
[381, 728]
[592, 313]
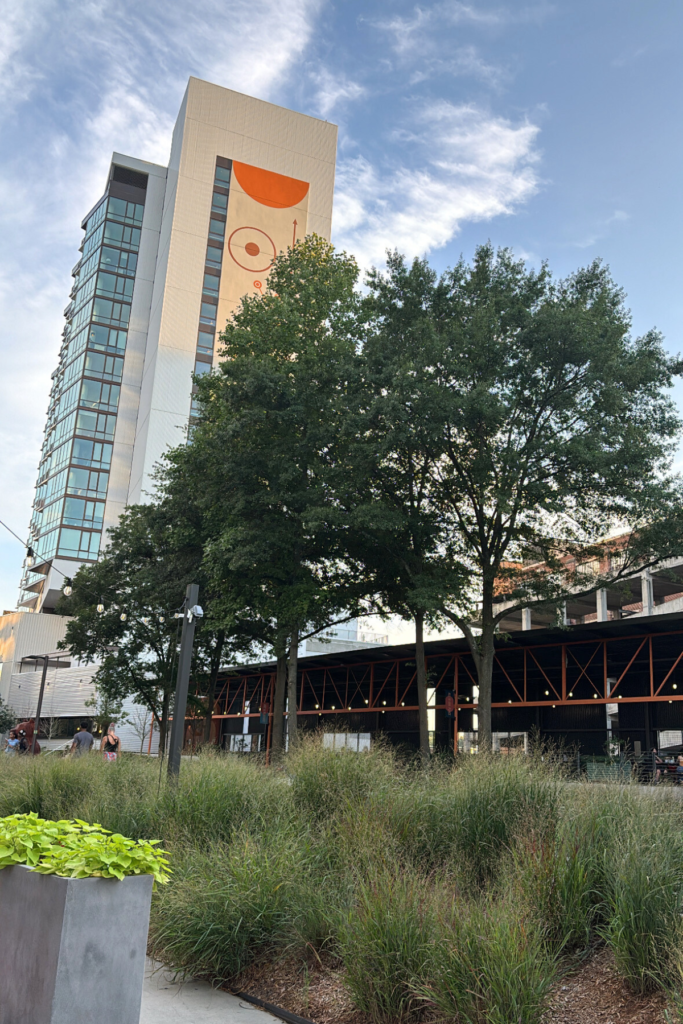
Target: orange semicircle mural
[269, 188]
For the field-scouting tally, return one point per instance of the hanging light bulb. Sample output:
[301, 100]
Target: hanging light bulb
[162, 618]
[100, 608]
[68, 589]
[123, 616]
[145, 619]
[30, 557]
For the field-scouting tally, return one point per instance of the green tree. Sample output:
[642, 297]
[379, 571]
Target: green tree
[269, 429]
[550, 426]
[7, 717]
[386, 483]
[139, 582]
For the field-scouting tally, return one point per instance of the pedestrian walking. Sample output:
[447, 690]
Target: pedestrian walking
[82, 741]
[111, 743]
[679, 769]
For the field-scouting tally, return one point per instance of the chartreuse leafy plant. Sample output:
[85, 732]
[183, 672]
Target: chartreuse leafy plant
[75, 849]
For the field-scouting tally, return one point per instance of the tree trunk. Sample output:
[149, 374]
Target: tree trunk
[278, 708]
[216, 656]
[292, 669]
[421, 672]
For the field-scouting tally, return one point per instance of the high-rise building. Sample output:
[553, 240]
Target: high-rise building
[167, 254]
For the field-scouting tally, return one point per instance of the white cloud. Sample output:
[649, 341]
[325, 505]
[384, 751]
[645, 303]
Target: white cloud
[423, 30]
[465, 165]
[465, 61]
[77, 81]
[333, 90]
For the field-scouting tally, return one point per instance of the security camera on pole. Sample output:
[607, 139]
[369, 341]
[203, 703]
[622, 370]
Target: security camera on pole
[191, 612]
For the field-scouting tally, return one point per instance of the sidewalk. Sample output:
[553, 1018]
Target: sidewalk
[193, 1002]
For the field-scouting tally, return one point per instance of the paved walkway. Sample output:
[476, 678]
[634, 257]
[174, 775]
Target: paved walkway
[193, 1002]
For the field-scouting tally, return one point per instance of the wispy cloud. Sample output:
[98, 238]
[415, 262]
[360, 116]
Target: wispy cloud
[466, 61]
[465, 165]
[602, 229]
[78, 80]
[418, 31]
[333, 90]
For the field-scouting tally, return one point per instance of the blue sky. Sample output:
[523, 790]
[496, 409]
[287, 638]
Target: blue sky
[553, 128]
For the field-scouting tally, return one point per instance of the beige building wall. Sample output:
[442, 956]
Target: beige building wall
[23, 634]
[216, 122]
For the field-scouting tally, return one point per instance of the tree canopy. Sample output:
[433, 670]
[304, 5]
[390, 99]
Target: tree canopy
[447, 449]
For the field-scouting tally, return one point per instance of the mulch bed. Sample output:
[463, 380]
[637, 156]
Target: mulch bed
[595, 994]
[592, 994]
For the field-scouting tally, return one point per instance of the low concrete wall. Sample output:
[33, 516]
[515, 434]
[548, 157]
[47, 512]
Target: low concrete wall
[71, 949]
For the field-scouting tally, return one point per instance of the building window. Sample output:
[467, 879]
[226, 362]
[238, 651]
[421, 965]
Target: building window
[79, 512]
[91, 453]
[222, 176]
[207, 313]
[97, 395]
[108, 367]
[117, 259]
[121, 234]
[114, 287]
[211, 284]
[87, 483]
[205, 343]
[131, 213]
[216, 228]
[106, 337]
[108, 312]
[96, 424]
[214, 257]
[79, 544]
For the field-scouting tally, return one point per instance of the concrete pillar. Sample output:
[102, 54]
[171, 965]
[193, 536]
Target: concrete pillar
[601, 605]
[646, 591]
[526, 618]
[563, 614]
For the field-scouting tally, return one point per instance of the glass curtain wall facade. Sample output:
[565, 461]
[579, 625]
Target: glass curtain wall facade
[206, 341]
[73, 474]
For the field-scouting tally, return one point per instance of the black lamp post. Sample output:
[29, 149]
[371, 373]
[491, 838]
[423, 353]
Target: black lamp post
[191, 612]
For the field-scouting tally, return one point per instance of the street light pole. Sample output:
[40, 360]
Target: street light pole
[46, 662]
[191, 613]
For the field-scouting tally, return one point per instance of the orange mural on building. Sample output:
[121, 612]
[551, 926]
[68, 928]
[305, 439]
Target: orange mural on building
[267, 213]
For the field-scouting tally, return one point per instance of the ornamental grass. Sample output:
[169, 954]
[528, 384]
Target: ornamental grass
[460, 892]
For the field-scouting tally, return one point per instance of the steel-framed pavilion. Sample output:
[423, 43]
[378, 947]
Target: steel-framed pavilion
[557, 681]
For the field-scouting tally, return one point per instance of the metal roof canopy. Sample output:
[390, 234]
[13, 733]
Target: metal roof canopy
[614, 629]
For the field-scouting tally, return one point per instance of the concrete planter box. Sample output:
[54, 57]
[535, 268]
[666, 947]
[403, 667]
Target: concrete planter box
[72, 950]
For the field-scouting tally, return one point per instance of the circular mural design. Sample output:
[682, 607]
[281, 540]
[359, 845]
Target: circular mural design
[252, 249]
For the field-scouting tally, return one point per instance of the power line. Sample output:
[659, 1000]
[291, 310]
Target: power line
[30, 550]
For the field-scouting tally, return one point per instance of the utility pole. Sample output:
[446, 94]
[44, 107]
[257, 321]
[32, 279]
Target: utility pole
[191, 612]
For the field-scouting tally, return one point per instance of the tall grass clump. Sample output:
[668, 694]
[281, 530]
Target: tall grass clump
[327, 782]
[467, 817]
[489, 964]
[214, 797]
[384, 943]
[644, 919]
[230, 905]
